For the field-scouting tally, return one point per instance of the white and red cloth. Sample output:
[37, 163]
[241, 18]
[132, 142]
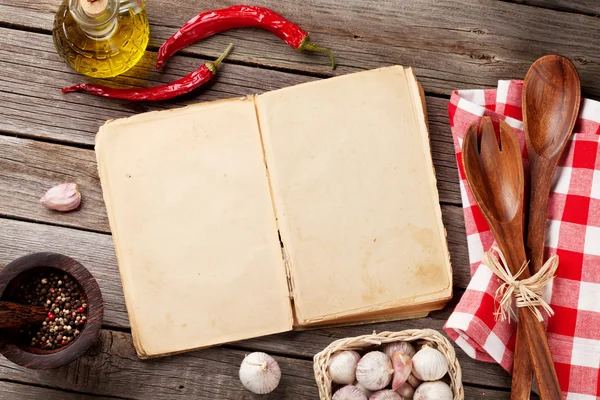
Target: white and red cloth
[572, 232]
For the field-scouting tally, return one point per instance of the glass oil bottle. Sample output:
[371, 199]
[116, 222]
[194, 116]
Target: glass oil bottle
[101, 38]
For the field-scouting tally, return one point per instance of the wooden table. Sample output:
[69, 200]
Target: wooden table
[47, 138]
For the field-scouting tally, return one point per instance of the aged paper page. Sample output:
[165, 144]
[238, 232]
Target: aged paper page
[194, 228]
[355, 194]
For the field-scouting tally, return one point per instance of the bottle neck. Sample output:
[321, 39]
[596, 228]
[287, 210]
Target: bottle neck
[98, 24]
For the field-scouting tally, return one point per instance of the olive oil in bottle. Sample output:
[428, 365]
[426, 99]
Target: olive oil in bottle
[101, 38]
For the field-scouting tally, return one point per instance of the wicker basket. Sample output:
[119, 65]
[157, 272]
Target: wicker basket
[321, 360]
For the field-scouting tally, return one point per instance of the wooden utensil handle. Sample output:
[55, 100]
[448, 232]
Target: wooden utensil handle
[536, 232]
[13, 315]
[522, 376]
[539, 353]
[538, 211]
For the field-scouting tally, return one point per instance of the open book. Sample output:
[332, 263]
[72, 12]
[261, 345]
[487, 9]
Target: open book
[307, 206]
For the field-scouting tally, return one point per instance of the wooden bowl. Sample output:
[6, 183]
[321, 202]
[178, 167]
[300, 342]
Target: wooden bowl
[28, 356]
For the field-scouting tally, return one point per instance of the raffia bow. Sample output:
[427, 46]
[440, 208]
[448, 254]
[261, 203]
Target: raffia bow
[527, 292]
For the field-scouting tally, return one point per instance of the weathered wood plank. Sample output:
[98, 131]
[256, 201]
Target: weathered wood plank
[95, 251]
[111, 368]
[590, 7]
[33, 105]
[16, 391]
[453, 44]
[28, 168]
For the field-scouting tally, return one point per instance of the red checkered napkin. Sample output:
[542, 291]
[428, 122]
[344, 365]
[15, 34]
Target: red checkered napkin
[572, 232]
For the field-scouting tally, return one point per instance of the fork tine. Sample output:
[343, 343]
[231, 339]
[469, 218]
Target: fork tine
[489, 142]
[471, 140]
[508, 137]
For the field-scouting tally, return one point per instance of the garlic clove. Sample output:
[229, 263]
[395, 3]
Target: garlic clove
[385, 395]
[374, 370]
[349, 393]
[63, 197]
[366, 391]
[260, 373]
[402, 365]
[405, 347]
[413, 381]
[342, 367]
[437, 390]
[429, 364]
[406, 391]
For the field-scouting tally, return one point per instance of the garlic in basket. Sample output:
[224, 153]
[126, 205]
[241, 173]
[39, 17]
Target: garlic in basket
[349, 393]
[260, 373]
[405, 347]
[413, 380]
[433, 391]
[406, 391]
[385, 395]
[429, 364]
[374, 371]
[366, 391]
[342, 367]
[402, 365]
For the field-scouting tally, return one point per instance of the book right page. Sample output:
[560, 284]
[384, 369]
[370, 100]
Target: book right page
[355, 195]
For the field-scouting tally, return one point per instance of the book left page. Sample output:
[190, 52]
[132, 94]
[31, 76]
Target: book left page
[193, 225]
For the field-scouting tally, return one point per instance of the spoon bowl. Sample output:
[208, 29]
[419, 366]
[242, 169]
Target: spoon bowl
[551, 97]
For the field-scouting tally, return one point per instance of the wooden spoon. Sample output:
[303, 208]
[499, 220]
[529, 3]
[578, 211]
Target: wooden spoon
[14, 315]
[551, 99]
[495, 175]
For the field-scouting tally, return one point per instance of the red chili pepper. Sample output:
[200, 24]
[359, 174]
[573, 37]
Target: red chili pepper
[211, 22]
[163, 92]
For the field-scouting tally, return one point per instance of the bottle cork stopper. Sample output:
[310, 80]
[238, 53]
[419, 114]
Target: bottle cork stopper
[94, 8]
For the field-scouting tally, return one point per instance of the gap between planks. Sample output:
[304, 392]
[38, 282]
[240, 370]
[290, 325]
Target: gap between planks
[30, 391]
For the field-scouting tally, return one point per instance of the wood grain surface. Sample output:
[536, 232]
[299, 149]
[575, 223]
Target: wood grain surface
[111, 366]
[47, 138]
[47, 114]
[11, 390]
[453, 44]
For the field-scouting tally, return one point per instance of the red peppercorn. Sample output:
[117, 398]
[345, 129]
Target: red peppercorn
[51, 316]
[51, 290]
[80, 309]
[63, 342]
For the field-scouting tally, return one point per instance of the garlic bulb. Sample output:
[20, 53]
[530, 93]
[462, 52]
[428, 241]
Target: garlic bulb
[429, 364]
[366, 391]
[342, 367]
[413, 381]
[374, 371]
[433, 391]
[63, 197]
[385, 395]
[260, 373]
[349, 393]
[406, 391]
[405, 347]
[402, 365]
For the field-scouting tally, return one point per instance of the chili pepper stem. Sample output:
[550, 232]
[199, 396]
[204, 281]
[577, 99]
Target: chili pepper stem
[310, 46]
[214, 65]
